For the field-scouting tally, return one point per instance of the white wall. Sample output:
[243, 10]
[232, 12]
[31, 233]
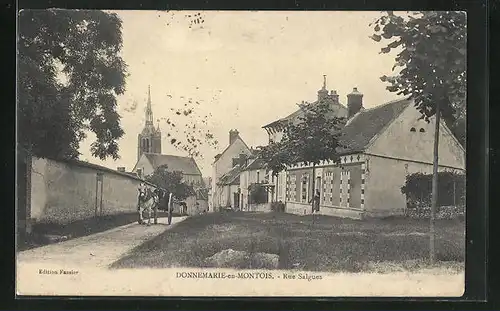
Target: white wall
[384, 179]
[398, 142]
[145, 165]
[224, 164]
[63, 193]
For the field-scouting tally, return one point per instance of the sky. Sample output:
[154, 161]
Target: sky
[244, 69]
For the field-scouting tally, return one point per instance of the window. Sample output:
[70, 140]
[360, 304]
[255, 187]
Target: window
[422, 130]
[258, 176]
[304, 188]
[287, 188]
[139, 172]
[413, 129]
[291, 188]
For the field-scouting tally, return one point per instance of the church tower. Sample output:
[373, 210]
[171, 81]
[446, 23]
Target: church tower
[149, 140]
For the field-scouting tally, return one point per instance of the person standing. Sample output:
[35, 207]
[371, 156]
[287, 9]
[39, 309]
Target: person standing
[317, 198]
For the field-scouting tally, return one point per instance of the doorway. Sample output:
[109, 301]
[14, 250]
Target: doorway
[236, 196]
[98, 195]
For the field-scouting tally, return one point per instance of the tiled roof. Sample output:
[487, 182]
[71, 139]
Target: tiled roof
[232, 177]
[256, 164]
[368, 123]
[186, 165]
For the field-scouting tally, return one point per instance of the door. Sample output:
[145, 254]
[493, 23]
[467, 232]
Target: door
[236, 200]
[98, 195]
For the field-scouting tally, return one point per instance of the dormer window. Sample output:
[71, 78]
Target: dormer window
[413, 129]
[422, 130]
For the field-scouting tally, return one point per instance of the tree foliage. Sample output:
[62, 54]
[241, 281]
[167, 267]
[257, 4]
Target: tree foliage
[276, 156]
[315, 135]
[70, 73]
[257, 194]
[431, 49]
[311, 138]
[171, 181]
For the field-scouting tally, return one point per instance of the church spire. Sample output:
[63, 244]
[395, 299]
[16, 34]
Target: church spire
[149, 110]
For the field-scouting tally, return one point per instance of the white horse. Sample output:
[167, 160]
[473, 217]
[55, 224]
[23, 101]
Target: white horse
[148, 201]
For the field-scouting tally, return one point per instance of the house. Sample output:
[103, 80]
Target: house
[228, 187]
[275, 130]
[384, 144]
[223, 164]
[254, 173]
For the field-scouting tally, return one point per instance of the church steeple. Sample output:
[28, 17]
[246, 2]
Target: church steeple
[149, 110]
[149, 140]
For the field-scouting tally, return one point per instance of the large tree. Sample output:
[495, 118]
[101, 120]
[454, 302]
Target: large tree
[69, 74]
[431, 49]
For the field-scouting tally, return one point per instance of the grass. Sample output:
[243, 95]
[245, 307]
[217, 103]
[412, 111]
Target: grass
[330, 244]
[42, 231]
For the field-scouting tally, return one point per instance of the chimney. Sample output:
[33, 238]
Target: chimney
[354, 102]
[334, 96]
[233, 134]
[243, 160]
[121, 169]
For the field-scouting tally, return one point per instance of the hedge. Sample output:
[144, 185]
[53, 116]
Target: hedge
[418, 190]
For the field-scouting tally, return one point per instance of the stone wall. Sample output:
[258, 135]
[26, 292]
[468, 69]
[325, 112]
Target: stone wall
[63, 192]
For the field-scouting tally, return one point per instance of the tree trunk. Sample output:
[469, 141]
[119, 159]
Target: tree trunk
[276, 185]
[432, 237]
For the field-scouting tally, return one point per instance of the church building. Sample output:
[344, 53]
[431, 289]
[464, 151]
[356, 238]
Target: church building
[149, 156]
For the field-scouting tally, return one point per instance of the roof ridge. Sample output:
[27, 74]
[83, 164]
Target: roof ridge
[168, 155]
[385, 104]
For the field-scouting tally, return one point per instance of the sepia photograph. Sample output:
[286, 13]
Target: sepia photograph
[241, 153]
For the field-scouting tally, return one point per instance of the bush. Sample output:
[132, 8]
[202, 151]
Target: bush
[418, 190]
[258, 194]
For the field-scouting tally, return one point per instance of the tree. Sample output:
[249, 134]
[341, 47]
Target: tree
[171, 181]
[432, 55]
[70, 73]
[313, 137]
